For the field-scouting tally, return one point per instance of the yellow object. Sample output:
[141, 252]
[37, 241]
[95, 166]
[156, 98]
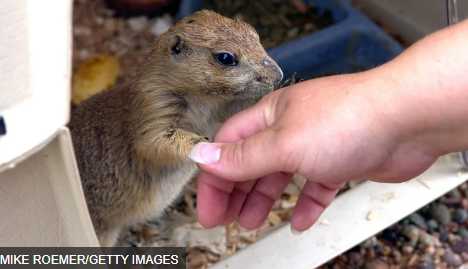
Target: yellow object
[93, 76]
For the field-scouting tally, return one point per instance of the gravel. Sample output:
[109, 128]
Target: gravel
[432, 237]
[275, 21]
[97, 31]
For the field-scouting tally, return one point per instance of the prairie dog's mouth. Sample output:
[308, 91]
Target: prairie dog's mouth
[255, 90]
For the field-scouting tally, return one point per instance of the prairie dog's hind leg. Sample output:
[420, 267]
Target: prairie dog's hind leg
[108, 238]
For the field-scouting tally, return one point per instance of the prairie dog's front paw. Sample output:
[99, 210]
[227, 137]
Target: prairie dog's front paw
[199, 139]
[183, 141]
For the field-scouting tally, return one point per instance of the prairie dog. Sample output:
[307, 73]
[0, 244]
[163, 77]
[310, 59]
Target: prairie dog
[132, 141]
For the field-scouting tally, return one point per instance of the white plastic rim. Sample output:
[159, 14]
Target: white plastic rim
[352, 218]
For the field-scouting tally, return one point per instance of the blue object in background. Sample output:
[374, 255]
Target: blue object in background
[352, 44]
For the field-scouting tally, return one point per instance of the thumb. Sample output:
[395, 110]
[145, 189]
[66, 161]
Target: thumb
[247, 159]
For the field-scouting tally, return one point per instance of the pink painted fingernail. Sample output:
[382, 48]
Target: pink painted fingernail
[205, 153]
[294, 231]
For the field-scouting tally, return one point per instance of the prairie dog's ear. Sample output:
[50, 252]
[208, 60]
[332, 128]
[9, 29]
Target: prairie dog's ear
[178, 48]
[176, 45]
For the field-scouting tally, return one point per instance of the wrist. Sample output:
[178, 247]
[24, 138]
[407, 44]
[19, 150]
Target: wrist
[420, 108]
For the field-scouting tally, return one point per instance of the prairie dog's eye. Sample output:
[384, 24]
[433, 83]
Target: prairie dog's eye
[226, 58]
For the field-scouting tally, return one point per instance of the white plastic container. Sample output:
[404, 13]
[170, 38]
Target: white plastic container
[35, 56]
[41, 200]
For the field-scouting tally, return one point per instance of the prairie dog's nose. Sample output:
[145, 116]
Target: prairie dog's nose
[273, 67]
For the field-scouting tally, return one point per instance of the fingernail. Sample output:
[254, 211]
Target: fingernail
[294, 231]
[205, 153]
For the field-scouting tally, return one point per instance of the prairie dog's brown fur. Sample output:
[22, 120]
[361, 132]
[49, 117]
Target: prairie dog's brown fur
[132, 142]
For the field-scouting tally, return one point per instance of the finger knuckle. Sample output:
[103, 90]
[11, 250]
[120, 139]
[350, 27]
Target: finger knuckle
[289, 153]
[236, 155]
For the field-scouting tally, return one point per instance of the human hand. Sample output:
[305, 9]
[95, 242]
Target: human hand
[329, 130]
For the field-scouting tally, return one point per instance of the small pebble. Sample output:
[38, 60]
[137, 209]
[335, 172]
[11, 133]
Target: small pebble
[427, 239]
[453, 238]
[463, 232]
[432, 225]
[161, 25]
[396, 255]
[408, 249]
[418, 220]
[461, 246]
[355, 258]
[309, 27]
[460, 216]
[412, 233]
[370, 253]
[371, 242]
[376, 264]
[391, 235]
[441, 214]
[197, 261]
[99, 20]
[379, 249]
[430, 250]
[443, 234]
[83, 54]
[454, 194]
[138, 24]
[81, 31]
[452, 259]
[465, 258]
[110, 25]
[464, 189]
[465, 204]
[293, 32]
[386, 250]
[427, 264]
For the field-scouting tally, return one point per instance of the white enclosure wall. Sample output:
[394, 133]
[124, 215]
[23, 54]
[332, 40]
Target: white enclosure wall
[413, 19]
[41, 200]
